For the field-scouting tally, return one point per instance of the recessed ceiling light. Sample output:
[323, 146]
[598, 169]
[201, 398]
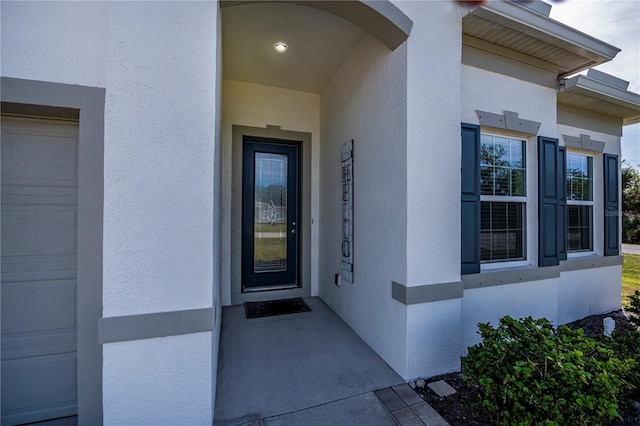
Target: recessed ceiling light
[280, 47]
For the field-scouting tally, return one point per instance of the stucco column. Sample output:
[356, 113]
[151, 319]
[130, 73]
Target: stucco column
[160, 231]
[433, 182]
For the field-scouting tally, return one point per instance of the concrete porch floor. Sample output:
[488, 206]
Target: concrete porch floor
[308, 368]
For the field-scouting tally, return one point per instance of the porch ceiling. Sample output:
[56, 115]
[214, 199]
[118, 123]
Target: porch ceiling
[520, 29]
[318, 43]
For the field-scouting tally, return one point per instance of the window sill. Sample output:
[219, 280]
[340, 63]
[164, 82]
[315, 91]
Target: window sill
[505, 266]
[581, 254]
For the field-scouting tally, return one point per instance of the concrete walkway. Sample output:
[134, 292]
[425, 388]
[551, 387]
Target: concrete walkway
[630, 249]
[308, 368]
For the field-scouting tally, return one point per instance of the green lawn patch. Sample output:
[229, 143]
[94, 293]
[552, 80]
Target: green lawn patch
[630, 276]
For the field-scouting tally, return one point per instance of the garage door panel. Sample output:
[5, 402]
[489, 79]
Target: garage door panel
[45, 198]
[56, 159]
[38, 306]
[55, 272]
[23, 389]
[39, 344]
[36, 230]
[39, 269]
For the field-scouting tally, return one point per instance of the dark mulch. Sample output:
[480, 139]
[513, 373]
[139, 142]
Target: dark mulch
[458, 408]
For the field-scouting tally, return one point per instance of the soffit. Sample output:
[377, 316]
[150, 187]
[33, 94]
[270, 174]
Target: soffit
[318, 44]
[520, 29]
[593, 95]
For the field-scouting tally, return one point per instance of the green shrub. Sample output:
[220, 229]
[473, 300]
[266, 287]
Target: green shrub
[626, 344]
[528, 372]
[634, 309]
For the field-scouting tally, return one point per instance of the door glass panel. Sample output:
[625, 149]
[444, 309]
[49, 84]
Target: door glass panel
[270, 216]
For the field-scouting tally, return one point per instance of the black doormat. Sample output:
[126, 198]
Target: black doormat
[275, 307]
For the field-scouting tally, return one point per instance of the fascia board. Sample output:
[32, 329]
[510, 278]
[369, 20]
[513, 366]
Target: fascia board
[522, 19]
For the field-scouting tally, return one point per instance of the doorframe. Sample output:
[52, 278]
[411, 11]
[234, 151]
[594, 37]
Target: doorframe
[273, 132]
[56, 100]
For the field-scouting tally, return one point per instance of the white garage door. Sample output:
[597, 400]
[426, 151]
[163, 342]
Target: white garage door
[39, 223]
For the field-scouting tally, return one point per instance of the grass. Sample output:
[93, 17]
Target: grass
[630, 276]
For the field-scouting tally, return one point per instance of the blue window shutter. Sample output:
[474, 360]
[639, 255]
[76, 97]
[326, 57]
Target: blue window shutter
[548, 194]
[611, 205]
[470, 210]
[562, 203]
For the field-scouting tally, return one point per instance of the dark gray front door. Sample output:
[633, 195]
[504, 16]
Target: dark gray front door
[270, 214]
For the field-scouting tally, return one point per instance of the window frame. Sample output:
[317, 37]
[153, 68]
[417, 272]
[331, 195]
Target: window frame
[587, 203]
[523, 200]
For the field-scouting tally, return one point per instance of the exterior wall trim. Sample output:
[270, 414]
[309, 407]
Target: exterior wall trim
[584, 142]
[508, 121]
[426, 293]
[511, 276]
[161, 324]
[455, 290]
[514, 276]
[36, 97]
[589, 262]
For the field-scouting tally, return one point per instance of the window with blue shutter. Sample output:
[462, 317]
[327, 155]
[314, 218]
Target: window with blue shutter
[611, 205]
[549, 193]
[470, 208]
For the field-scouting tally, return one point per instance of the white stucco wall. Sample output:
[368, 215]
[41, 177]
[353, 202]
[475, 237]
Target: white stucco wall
[63, 42]
[535, 298]
[433, 181]
[366, 101]
[156, 385]
[157, 61]
[159, 123]
[255, 105]
[159, 202]
[588, 292]
[433, 141]
[492, 92]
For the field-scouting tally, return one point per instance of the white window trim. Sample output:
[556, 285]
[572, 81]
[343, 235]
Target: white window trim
[579, 203]
[505, 265]
[590, 203]
[503, 199]
[580, 254]
[525, 262]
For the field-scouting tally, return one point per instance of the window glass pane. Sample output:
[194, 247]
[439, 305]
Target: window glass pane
[503, 166]
[579, 228]
[518, 182]
[485, 140]
[501, 231]
[270, 216]
[579, 177]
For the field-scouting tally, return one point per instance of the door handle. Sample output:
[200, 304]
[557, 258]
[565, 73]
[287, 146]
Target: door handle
[293, 231]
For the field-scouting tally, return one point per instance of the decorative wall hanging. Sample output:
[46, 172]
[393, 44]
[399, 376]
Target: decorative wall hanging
[347, 211]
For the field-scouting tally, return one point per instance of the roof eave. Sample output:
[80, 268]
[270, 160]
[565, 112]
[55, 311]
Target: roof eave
[534, 24]
[606, 93]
